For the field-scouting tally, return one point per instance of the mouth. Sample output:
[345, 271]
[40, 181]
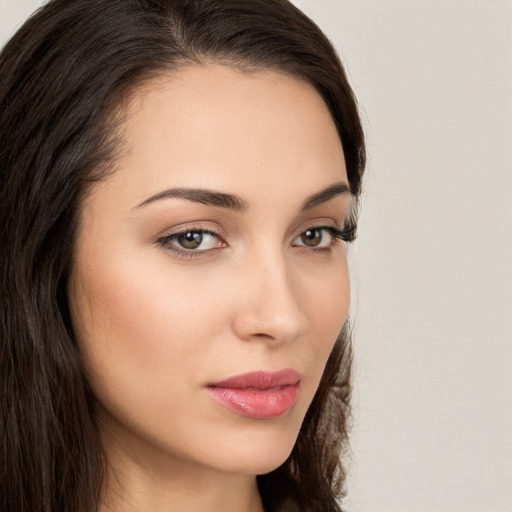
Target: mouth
[258, 395]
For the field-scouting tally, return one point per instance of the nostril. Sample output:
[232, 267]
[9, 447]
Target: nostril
[262, 335]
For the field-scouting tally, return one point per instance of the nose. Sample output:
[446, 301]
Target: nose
[268, 305]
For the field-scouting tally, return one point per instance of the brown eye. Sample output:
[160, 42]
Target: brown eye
[312, 237]
[190, 240]
[322, 237]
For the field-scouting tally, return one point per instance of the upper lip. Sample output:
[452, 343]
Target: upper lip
[260, 380]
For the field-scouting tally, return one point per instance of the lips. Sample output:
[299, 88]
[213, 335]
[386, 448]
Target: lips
[258, 395]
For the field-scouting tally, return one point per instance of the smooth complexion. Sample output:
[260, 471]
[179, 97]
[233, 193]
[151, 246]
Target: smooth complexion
[208, 254]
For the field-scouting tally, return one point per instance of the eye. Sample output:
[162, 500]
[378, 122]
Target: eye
[322, 237]
[190, 241]
[315, 237]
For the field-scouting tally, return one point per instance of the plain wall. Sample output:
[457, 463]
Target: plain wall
[433, 266]
[432, 269]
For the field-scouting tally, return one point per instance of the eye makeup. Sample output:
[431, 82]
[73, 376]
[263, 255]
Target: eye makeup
[193, 241]
[313, 237]
[185, 242]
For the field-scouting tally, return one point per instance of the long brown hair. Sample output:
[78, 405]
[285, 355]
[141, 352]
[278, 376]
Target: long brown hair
[63, 77]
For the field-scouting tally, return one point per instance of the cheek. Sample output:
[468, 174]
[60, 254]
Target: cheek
[144, 335]
[134, 329]
[327, 300]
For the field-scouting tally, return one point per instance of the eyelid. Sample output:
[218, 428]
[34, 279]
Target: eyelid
[205, 227]
[164, 240]
[346, 232]
[316, 223]
[333, 233]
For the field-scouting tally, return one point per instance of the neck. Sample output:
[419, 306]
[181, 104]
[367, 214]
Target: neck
[139, 492]
[151, 479]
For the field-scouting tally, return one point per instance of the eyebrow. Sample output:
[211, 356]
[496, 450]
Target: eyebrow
[325, 195]
[203, 196]
[236, 203]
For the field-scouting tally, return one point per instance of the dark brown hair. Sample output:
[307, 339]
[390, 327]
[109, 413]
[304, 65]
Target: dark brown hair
[63, 76]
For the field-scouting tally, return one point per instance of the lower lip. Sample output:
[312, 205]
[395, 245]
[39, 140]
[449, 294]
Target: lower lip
[257, 404]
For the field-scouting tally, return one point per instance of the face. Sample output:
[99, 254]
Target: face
[210, 278]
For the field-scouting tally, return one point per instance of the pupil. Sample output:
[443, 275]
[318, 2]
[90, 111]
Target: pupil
[312, 237]
[190, 240]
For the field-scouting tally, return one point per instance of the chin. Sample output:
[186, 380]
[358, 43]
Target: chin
[259, 451]
[255, 462]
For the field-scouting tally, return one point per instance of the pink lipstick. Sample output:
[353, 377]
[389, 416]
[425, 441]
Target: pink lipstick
[258, 395]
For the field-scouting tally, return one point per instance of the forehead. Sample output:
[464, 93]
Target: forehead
[219, 127]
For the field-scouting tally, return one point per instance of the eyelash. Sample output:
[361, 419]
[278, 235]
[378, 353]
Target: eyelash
[166, 241]
[345, 234]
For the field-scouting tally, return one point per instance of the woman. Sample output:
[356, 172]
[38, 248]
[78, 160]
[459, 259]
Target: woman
[179, 179]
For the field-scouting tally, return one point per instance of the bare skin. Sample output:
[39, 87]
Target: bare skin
[171, 292]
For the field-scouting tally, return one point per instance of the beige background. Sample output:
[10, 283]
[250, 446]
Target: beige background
[432, 270]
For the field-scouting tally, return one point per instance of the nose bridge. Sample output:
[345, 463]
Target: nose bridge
[269, 305]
